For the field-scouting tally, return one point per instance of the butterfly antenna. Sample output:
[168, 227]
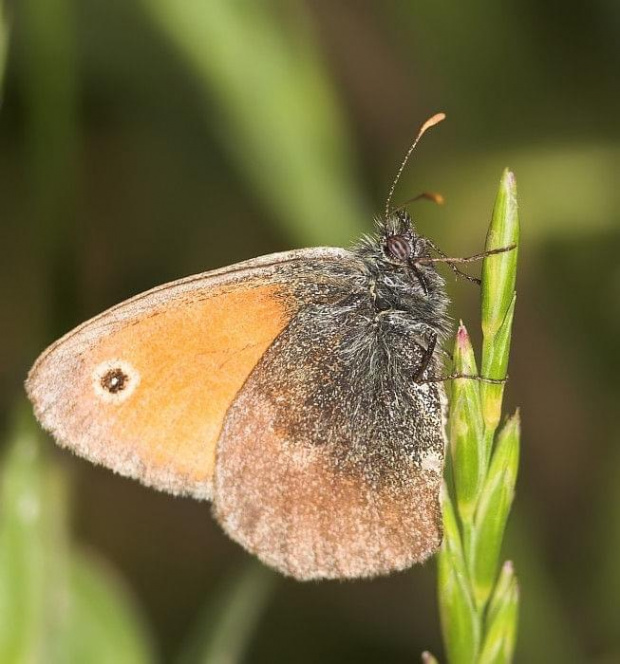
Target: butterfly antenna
[431, 122]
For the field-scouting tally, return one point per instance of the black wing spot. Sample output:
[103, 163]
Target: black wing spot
[114, 380]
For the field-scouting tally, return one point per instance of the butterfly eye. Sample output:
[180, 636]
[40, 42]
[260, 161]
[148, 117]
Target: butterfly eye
[115, 380]
[397, 246]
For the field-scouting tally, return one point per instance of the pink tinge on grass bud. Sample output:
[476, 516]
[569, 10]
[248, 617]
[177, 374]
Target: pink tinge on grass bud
[462, 338]
[464, 358]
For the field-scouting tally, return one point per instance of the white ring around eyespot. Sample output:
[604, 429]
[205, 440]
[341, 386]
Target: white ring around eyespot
[133, 380]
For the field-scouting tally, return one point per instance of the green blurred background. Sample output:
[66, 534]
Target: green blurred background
[144, 140]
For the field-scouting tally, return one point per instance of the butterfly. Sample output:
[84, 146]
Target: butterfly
[297, 392]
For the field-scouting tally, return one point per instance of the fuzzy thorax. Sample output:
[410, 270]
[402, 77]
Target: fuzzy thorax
[401, 286]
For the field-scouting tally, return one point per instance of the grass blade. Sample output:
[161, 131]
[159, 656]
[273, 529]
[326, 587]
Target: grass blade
[493, 509]
[466, 428]
[498, 298]
[33, 573]
[483, 475]
[501, 622]
[288, 142]
[56, 605]
[222, 633]
[459, 620]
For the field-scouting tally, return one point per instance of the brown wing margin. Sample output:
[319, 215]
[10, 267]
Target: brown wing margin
[188, 347]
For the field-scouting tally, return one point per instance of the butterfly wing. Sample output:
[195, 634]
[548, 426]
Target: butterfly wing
[144, 387]
[330, 460]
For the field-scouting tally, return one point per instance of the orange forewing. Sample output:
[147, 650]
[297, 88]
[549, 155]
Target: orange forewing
[192, 360]
[192, 352]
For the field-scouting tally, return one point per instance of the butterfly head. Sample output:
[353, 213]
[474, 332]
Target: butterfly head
[396, 246]
[399, 241]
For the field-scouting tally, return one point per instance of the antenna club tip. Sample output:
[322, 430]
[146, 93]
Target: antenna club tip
[438, 117]
[432, 121]
[438, 199]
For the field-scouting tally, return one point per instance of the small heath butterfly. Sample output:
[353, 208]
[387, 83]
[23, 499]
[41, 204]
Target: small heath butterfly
[295, 391]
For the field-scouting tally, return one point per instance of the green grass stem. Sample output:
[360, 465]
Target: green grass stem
[478, 603]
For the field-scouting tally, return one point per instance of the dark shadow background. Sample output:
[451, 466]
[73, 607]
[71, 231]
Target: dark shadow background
[124, 165]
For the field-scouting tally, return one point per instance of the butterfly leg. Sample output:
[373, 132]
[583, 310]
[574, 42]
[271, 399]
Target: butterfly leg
[467, 259]
[482, 379]
[426, 358]
[452, 266]
[419, 276]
